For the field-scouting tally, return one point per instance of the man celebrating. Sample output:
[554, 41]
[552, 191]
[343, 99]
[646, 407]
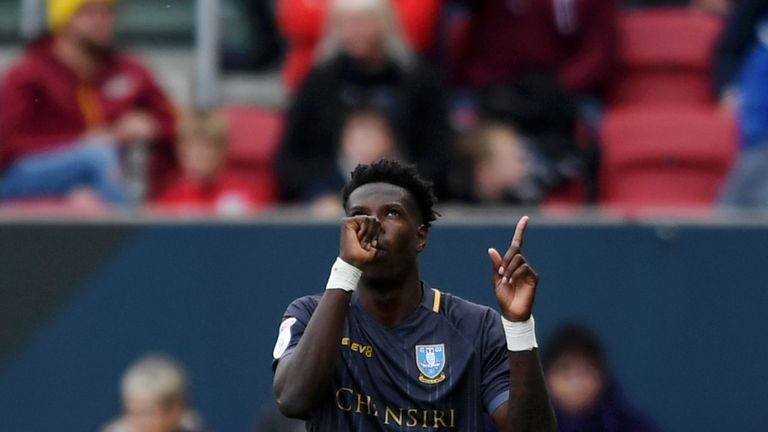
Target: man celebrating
[381, 350]
[71, 102]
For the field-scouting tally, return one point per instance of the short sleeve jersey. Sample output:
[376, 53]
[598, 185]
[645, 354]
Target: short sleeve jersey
[440, 369]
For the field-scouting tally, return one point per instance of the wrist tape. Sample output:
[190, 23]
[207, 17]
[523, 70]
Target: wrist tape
[343, 276]
[521, 335]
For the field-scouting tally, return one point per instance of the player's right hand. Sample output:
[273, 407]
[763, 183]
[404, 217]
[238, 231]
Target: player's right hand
[359, 238]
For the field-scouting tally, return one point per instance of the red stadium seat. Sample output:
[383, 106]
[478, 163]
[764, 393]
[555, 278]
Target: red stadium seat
[665, 157]
[253, 143]
[665, 56]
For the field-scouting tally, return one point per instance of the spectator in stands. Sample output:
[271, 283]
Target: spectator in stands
[366, 137]
[301, 22]
[574, 40]
[747, 185]
[71, 104]
[203, 186]
[154, 392]
[529, 125]
[363, 60]
[501, 166]
[737, 41]
[584, 395]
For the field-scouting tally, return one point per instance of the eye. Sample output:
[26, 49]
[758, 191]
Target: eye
[393, 212]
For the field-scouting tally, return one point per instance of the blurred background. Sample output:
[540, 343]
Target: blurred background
[164, 163]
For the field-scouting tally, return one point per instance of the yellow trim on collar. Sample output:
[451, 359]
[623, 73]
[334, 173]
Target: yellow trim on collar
[436, 303]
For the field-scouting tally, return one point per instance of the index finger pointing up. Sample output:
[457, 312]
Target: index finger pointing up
[517, 239]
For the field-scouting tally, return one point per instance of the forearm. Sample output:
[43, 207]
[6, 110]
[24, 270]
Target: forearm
[302, 377]
[529, 408]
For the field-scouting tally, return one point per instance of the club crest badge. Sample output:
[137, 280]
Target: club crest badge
[430, 360]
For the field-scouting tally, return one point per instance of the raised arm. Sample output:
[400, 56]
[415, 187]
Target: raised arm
[515, 281]
[302, 377]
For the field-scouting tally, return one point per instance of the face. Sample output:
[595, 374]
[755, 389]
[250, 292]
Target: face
[504, 168]
[365, 140]
[361, 34]
[200, 158]
[93, 26]
[402, 237]
[575, 383]
[145, 413]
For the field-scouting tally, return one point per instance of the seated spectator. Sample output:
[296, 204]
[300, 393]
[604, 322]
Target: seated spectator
[301, 22]
[366, 137]
[747, 184]
[203, 185]
[363, 62]
[501, 167]
[574, 40]
[71, 105]
[584, 395]
[524, 147]
[737, 41]
[154, 392]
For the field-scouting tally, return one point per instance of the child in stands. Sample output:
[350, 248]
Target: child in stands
[204, 186]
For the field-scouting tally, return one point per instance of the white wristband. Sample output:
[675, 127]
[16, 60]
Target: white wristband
[343, 276]
[521, 336]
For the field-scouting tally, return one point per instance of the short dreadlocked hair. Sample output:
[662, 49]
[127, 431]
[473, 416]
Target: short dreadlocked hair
[404, 176]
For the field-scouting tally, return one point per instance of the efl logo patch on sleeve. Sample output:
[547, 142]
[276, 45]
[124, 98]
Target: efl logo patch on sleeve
[284, 338]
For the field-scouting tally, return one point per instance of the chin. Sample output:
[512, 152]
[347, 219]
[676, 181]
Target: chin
[99, 47]
[381, 273]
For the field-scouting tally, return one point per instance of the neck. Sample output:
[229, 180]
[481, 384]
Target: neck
[391, 302]
[80, 61]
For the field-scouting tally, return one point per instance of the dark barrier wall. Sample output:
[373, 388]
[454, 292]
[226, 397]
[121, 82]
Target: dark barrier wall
[680, 308]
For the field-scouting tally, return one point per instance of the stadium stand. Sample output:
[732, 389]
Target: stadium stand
[665, 157]
[253, 142]
[665, 56]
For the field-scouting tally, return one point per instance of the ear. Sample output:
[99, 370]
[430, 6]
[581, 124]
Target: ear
[421, 238]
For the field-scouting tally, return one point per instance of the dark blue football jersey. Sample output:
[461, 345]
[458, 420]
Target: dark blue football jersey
[440, 369]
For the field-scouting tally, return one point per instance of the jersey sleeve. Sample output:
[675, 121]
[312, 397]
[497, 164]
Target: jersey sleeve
[292, 327]
[495, 362]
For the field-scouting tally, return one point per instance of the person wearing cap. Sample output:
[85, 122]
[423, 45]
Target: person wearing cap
[71, 103]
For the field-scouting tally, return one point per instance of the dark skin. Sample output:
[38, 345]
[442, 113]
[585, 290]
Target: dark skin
[383, 235]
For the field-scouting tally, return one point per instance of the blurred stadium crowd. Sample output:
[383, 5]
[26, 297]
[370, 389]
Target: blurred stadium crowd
[641, 106]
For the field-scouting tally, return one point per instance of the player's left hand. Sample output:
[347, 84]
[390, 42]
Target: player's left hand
[513, 278]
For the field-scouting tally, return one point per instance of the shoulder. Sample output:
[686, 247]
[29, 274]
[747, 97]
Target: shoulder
[127, 66]
[303, 307]
[28, 67]
[465, 312]
[129, 62]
